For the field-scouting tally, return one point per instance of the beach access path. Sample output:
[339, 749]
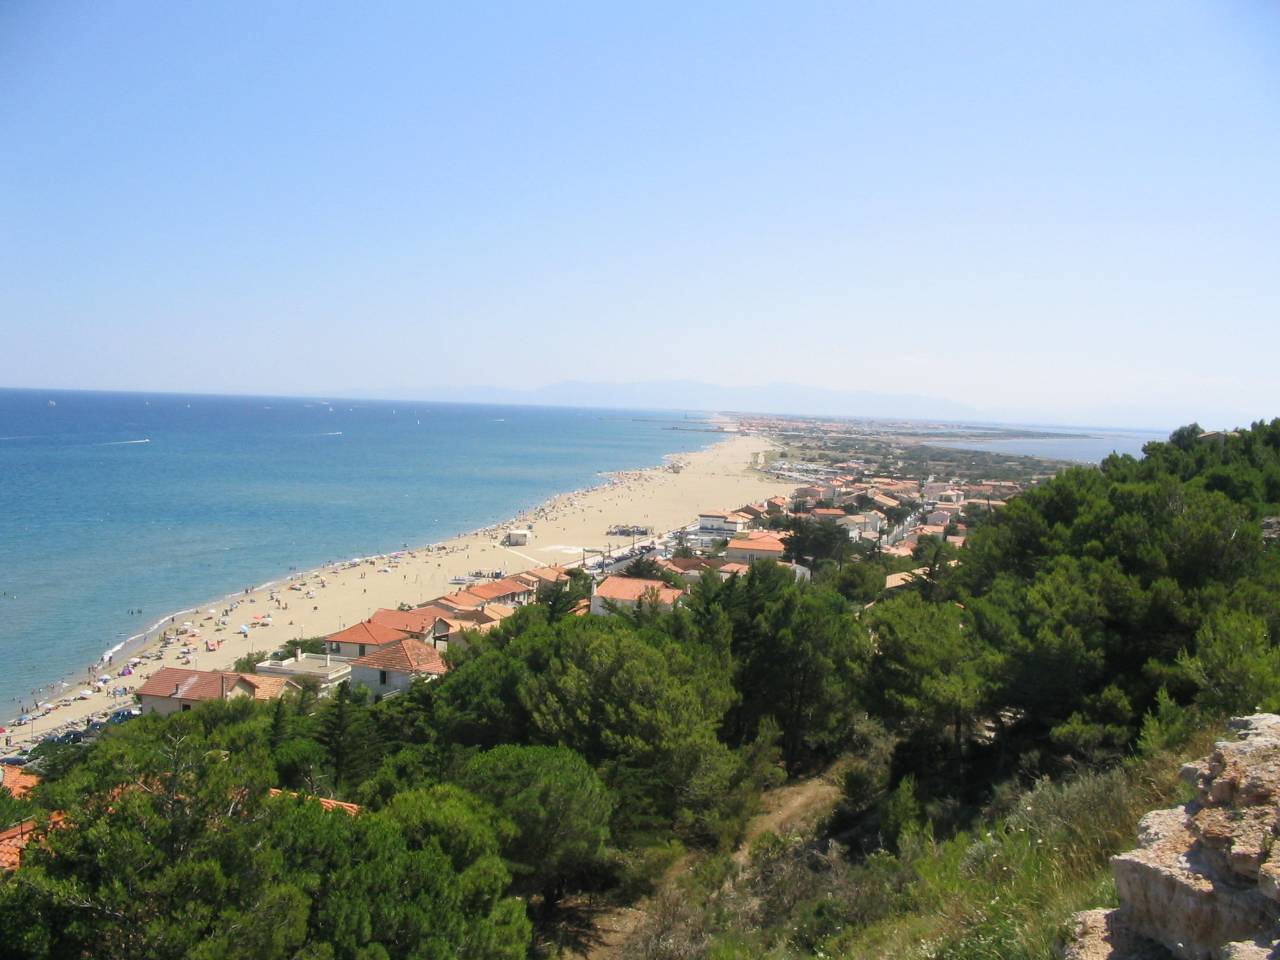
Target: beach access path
[720, 477]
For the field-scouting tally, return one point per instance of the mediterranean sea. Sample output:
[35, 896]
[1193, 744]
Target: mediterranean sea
[119, 508]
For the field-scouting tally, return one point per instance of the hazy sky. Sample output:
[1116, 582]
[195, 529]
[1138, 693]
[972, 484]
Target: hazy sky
[1067, 211]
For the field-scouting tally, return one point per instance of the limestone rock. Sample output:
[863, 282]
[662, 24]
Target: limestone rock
[1204, 881]
[1099, 935]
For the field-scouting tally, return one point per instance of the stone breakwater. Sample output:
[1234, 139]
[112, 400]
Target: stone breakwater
[1204, 882]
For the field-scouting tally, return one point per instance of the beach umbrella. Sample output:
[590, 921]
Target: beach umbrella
[244, 628]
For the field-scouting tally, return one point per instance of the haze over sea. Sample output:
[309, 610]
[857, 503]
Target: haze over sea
[111, 502]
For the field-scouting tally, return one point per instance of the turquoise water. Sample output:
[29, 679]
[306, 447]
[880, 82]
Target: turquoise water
[112, 502]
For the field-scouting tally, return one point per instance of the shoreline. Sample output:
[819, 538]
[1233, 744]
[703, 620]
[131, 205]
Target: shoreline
[722, 472]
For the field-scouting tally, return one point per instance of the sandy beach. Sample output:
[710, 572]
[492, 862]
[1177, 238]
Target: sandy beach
[337, 595]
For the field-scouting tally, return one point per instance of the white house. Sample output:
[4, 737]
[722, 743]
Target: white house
[393, 667]
[722, 523]
[756, 545]
[364, 637]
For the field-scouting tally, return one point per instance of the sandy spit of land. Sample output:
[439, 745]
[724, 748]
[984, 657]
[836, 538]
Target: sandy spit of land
[337, 596]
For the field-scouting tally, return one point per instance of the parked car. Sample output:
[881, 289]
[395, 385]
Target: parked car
[14, 761]
[120, 716]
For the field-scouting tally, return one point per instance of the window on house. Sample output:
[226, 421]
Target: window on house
[382, 678]
[362, 649]
[186, 706]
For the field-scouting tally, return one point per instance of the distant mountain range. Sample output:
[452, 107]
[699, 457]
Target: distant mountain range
[786, 398]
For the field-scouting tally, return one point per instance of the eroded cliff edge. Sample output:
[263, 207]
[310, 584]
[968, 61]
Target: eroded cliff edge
[1204, 881]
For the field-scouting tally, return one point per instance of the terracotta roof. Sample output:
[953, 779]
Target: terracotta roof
[462, 599]
[179, 684]
[895, 580]
[633, 588]
[828, 512]
[732, 568]
[12, 843]
[685, 564]
[406, 656]
[758, 541]
[497, 611]
[17, 781]
[505, 587]
[539, 575]
[325, 802]
[14, 840]
[378, 629]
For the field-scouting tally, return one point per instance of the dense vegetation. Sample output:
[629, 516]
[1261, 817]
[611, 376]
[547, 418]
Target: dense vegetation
[1106, 608]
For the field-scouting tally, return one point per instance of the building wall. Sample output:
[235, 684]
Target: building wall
[371, 678]
[717, 526]
[748, 555]
[164, 705]
[599, 609]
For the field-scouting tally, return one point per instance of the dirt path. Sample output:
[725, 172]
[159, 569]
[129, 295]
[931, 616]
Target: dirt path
[786, 809]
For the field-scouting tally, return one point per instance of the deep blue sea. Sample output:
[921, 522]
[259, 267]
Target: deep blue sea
[111, 502]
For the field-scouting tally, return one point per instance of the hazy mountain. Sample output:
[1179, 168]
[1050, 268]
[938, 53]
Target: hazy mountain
[693, 395]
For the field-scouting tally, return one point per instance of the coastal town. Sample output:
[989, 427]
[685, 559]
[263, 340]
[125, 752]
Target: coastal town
[194, 655]
[214, 653]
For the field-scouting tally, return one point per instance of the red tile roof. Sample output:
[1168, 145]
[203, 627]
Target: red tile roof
[378, 629]
[633, 588]
[14, 840]
[17, 781]
[462, 599]
[758, 541]
[406, 656]
[506, 587]
[685, 564]
[181, 684]
[541, 575]
[325, 802]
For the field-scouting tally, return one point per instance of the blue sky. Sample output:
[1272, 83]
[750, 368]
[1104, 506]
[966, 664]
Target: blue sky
[1062, 212]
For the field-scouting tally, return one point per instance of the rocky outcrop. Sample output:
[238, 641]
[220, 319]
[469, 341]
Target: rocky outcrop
[1203, 883]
